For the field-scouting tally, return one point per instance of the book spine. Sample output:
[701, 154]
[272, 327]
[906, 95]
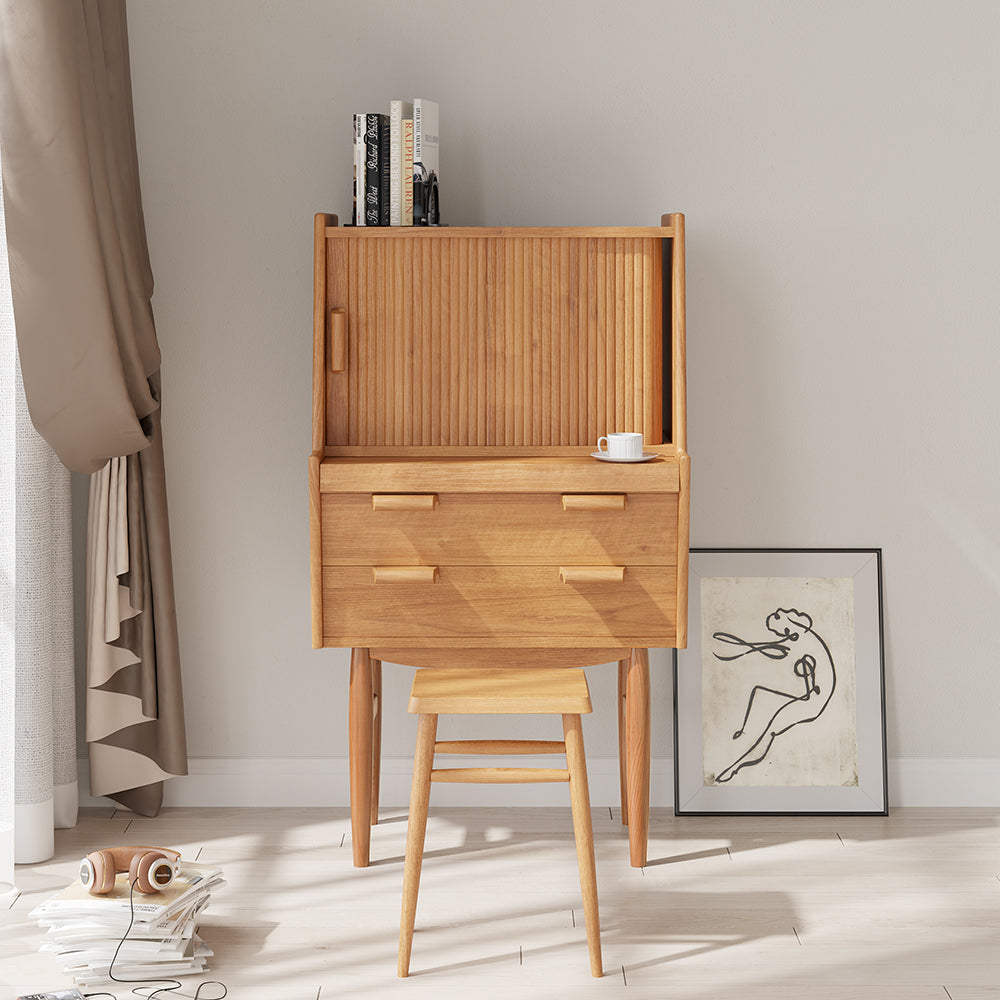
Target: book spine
[383, 171]
[398, 110]
[377, 170]
[426, 144]
[360, 124]
[372, 185]
[407, 172]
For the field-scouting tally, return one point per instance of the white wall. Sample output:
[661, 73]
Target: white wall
[837, 165]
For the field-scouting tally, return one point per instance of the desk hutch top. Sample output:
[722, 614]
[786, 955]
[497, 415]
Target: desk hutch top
[461, 380]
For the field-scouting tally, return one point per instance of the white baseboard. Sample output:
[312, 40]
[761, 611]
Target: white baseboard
[324, 781]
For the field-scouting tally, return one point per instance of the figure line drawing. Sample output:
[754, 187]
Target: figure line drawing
[814, 667]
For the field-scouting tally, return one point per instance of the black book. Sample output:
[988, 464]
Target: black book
[377, 171]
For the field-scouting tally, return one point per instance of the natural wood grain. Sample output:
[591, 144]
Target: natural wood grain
[594, 501]
[376, 735]
[637, 736]
[526, 345]
[338, 341]
[493, 691]
[531, 658]
[622, 747]
[500, 775]
[580, 803]
[678, 336]
[492, 232]
[503, 474]
[399, 501]
[319, 393]
[360, 734]
[498, 528]
[592, 574]
[315, 551]
[415, 833]
[499, 747]
[418, 575]
[483, 364]
[497, 690]
[683, 529]
[506, 605]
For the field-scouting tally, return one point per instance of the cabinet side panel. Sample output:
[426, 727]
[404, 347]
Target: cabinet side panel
[338, 385]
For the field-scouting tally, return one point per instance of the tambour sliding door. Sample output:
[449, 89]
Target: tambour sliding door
[495, 338]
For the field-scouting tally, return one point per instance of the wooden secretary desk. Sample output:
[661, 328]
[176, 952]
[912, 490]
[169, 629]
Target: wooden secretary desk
[461, 380]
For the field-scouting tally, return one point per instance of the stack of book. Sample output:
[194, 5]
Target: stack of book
[396, 166]
[84, 931]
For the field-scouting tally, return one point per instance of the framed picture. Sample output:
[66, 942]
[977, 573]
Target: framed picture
[779, 699]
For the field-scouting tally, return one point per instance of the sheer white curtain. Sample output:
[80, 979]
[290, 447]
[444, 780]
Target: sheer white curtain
[38, 789]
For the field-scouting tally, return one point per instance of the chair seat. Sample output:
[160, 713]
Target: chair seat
[498, 691]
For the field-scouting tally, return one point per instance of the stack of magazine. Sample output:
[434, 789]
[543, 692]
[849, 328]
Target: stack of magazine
[396, 166]
[84, 931]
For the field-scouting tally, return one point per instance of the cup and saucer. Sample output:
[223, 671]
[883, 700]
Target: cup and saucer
[625, 446]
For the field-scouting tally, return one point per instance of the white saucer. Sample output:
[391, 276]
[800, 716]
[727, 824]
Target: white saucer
[605, 457]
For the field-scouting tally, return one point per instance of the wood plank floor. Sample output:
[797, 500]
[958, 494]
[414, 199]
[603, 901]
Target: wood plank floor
[830, 908]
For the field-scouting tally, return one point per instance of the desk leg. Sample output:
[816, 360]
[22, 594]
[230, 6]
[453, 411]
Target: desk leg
[376, 736]
[622, 749]
[637, 750]
[360, 738]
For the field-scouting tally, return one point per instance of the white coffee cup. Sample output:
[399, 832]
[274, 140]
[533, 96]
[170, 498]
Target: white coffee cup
[622, 446]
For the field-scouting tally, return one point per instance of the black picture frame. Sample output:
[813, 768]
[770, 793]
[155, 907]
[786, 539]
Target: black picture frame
[809, 669]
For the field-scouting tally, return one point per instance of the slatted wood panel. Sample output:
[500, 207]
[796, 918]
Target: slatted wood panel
[496, 340]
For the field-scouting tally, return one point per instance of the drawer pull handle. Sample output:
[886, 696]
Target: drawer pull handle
[594, 501]
[405, 574]
[338, 341]
[592, 574]
[404, 501]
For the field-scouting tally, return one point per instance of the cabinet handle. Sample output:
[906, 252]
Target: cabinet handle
[405, 574]
[338, 340]
[404, 501]
[592, 574]
[594, 501]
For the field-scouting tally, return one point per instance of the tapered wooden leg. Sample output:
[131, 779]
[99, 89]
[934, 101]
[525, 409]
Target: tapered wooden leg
[622, 752]
[637, 752]
[579, 796]
[420, 794]
[376, 736]
[360, 742]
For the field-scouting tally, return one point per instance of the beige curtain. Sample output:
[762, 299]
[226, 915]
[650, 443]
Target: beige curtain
[81, 285]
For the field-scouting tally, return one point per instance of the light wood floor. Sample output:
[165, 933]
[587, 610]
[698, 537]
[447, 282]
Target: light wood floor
[845, 908]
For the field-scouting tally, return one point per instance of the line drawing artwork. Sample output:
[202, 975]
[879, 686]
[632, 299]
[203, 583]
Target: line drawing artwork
[812, 682]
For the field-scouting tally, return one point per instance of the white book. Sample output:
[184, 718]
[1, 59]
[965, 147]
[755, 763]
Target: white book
[360, 124]
[426, 161]
[398, 111]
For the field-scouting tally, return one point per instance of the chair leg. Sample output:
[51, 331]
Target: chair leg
[416, 827]
[579, 794]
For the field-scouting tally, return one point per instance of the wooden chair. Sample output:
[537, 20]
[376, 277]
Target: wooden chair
[479, 691]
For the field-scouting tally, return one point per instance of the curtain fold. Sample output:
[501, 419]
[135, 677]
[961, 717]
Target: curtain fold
[82, 285]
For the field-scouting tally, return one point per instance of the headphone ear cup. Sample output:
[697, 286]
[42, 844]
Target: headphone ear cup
[100, 867]
[87, 874]
[151, 871]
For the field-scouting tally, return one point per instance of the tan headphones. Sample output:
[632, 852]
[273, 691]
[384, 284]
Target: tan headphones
[149, 868]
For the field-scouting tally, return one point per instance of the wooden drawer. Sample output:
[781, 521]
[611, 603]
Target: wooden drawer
[464, 529]
[512, 605]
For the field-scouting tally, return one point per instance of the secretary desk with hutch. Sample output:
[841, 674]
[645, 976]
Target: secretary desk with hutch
[461, 380]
